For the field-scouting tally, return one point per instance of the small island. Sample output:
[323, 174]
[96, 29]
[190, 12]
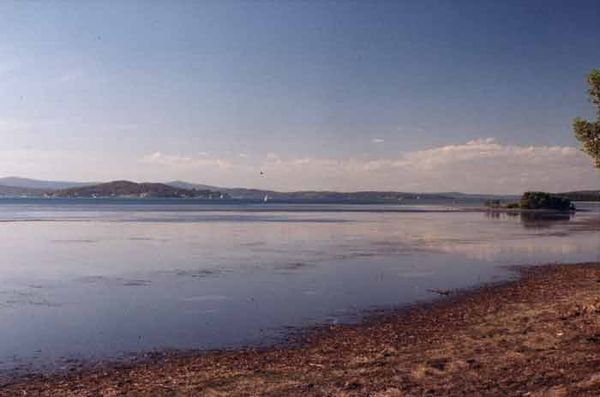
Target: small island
[535, 201]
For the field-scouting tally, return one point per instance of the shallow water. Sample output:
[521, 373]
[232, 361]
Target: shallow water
[85, 279]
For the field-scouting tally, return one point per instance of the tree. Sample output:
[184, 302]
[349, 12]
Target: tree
[588, 132]
[547, 201]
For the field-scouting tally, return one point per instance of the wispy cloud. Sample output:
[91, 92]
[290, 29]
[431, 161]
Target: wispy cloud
[178, 161]
[71, 75]
[125, 126]
[482, 165]
[377, 140]
[14, 125]
[7, 67]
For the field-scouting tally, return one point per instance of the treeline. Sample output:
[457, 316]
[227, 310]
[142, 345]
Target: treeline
[536, 201]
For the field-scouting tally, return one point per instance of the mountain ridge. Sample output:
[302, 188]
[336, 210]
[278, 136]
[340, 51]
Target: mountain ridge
[28, 183]
[17, 186]
[13, 191]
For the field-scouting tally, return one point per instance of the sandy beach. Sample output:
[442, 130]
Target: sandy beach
[536, 336]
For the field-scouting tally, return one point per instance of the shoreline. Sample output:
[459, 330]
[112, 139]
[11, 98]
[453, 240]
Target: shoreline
[538, 334]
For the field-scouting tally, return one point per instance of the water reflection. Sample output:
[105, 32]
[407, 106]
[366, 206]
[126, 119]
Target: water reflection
[531, 219]
[114, 282]
[544, 220]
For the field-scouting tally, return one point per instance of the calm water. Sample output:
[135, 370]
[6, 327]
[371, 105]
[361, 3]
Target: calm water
[99, 279]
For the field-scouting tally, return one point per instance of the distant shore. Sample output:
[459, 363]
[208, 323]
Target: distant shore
[536, 336]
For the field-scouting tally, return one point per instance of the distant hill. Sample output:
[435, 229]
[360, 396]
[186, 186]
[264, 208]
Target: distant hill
[17, 187]
[582, 195]
[190, 186]
[11, 191]
[332, 196]
[132, 189]
[13, 181]
[307, 195]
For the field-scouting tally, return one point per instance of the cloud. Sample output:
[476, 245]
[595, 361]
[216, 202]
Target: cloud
[56, 164]
[482, 165]
[125, 126]
[377, 140]
[8, 67]
[273, 157]
[71, 75]
[489, 153]
[186, 162]
[13, 125]
[15, 128]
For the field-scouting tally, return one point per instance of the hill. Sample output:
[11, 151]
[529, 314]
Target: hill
[26, 183]
[582, 195]
[11, 191]
[18, 187]
[191, 186]
[132, 189]
[332, 196]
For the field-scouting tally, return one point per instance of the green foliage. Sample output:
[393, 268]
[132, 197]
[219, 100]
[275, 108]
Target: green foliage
[588, 132]
[542, 200]
[511, 206]
[594, 82]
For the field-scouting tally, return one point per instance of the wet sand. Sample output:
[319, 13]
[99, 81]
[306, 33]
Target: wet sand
[536, 336]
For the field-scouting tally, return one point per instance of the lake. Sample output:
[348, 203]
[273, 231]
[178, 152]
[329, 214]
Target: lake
[100, 279]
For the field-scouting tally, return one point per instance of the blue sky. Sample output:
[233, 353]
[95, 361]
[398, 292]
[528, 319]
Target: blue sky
[314, 92]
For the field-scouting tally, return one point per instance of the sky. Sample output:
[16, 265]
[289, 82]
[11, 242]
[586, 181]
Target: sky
[472, 96]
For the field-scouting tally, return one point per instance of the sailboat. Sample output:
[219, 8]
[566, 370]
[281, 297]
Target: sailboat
[266, 198]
